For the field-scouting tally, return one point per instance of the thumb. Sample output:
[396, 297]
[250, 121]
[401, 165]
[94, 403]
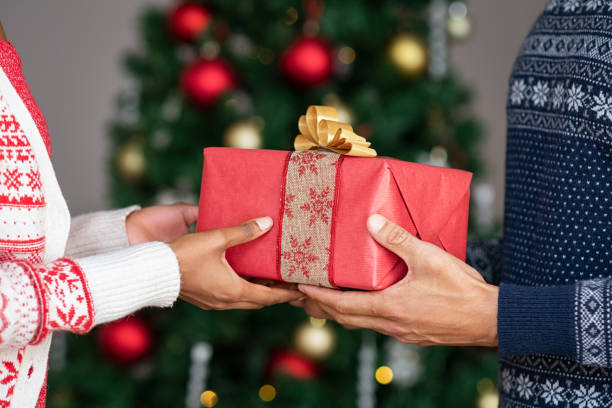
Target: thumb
[189, 212]
[245, 232]
[392, 236]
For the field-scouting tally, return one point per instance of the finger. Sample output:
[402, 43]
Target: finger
[222, 306]
[298, 303]
[265, 296]
[393, 237]
[313, 309]
[357, 321]
[245, 232]
[349, 302]
[189, 212]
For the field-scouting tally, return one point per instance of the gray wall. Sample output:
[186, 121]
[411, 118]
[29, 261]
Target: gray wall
[71, 49]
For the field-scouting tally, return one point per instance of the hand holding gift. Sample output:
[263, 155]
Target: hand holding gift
[207, 280]
[440, 301]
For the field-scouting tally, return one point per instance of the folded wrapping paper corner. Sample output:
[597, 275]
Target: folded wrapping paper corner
[449, 189]
[237, 185]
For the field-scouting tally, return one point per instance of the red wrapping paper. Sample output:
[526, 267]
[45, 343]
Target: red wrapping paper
[430, 202]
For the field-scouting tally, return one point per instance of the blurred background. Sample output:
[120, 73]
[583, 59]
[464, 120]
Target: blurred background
[425, 79]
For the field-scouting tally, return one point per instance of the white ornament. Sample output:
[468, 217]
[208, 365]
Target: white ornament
[459, 24]
[438, 52]
[201, 352]
[129, 105]
[484, 199]
[366, 386]
[404, 360]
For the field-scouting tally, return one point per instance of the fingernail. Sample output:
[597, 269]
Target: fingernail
[376, 222]
[302, 287]
[264, 223]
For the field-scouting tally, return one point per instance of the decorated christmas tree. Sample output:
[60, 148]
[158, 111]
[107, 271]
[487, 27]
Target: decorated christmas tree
[239, 73]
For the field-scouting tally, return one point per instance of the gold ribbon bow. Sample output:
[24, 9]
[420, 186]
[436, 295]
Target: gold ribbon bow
[320, 128]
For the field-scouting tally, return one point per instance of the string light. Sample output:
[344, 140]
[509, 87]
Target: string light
[292, 16]
[210, 49]
[209, 398]
[346, 55]
[384, 375]
[267, 393]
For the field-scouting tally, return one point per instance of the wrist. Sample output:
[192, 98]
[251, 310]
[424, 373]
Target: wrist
[488, 335]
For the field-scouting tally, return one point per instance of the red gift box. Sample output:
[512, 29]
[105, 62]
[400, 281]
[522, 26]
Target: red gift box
[320, 202]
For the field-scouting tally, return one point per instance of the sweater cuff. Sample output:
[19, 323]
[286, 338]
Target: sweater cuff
[98, 232]
[536, 320]
[124, 281]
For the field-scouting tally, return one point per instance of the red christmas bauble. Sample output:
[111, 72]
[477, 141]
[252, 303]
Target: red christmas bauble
[126, 341]
[188, 21]
[204, 80]
[308, 61]
[293, 365]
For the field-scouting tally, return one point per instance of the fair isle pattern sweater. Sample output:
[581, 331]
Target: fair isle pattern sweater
[555, 302]
[54, 276]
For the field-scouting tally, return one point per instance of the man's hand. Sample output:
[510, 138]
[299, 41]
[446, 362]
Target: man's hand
[163, 223]
[208, 281]
[441, 300]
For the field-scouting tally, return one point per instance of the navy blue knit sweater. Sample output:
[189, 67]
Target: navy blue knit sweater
[555, 301]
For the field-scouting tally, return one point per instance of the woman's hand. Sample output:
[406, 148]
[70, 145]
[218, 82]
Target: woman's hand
[164, 223]
[208, 281]
[440, 301]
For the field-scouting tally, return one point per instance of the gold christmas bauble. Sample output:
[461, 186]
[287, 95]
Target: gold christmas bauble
[409, 53]
[209, 398]
[489, 399]
[243, 135]
[130, 161]
[315, 341]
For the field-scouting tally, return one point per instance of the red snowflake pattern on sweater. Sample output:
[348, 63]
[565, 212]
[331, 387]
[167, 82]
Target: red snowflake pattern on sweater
[306, 161]
[70, 306]
[320, 206]
[300, 256]
[9, 371]
[35, 298]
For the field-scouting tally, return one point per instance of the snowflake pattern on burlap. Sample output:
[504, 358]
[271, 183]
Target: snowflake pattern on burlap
[306, 161]
[288, 200]
[300, 256]
[319, 206]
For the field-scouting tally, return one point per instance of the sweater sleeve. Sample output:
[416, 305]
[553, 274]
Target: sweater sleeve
[485, 255]
[571, 320]
[77, 294]
[98, 232]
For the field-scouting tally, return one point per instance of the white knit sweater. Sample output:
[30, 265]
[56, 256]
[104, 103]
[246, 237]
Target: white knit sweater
[56, 274]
